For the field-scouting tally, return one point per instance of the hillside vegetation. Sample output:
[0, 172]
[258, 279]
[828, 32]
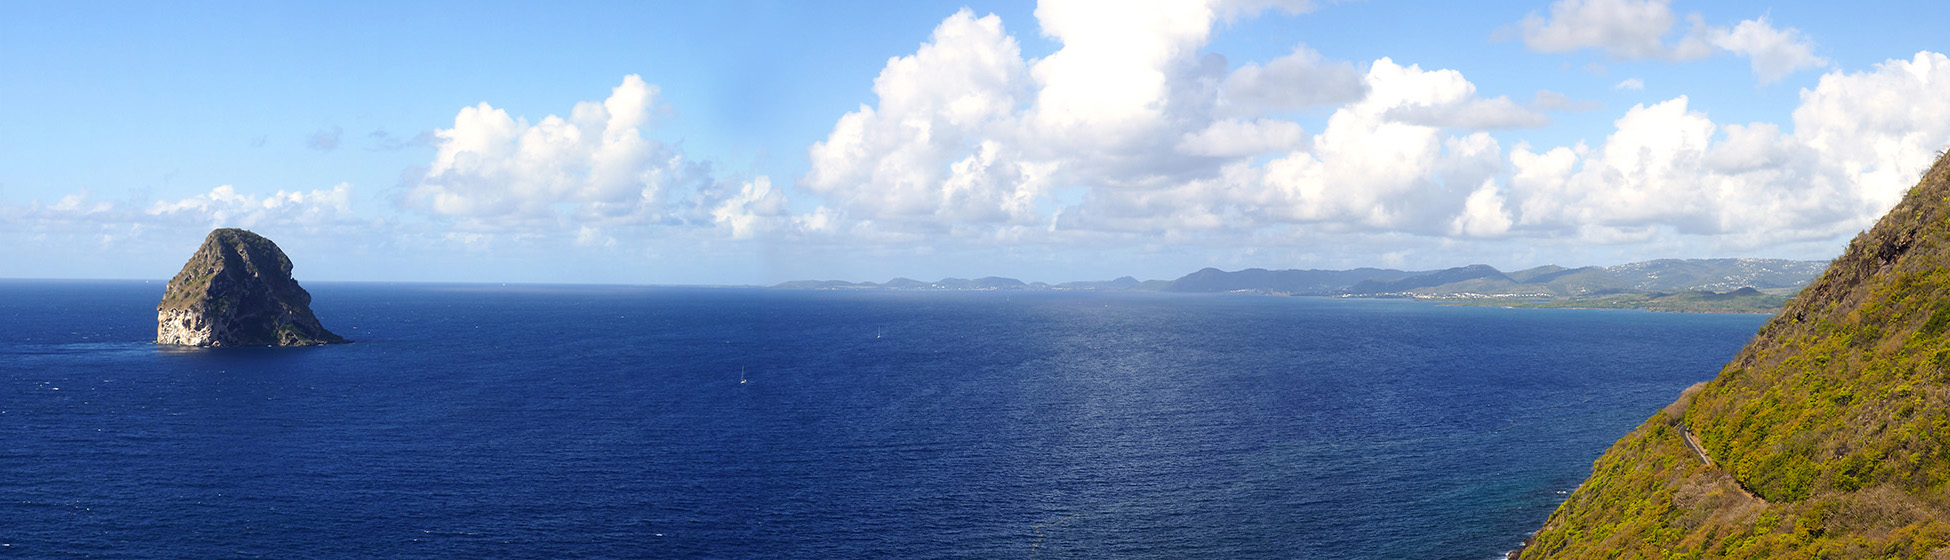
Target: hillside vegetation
[1825, 437]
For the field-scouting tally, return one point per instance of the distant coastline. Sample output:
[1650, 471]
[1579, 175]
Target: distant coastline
[1671, 285]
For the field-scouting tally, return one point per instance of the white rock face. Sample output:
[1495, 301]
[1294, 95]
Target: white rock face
[182, 326]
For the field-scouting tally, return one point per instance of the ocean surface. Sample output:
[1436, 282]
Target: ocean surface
[476, 421]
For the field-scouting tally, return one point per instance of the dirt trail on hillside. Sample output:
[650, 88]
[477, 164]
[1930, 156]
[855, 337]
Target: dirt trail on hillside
[1692, 442]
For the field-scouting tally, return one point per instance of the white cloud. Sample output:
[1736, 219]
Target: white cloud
[1443, 98]
[1111, 85]
[1881, 127]
[1622, 29]
[1142, 129]
[1236, 138]
[1637, 30]
[1633, 84]
[81, 203]
[1371, 169]
[224, 206]
[1483, 213]
[500, 171]
[221, 206]
[1475, 114]
[1160, 146]
[754, 209]
[1859, 142]
[940, 114]
[1296, 81]
[1773, 53]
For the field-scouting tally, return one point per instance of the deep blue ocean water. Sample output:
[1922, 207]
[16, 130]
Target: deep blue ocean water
[474, 421]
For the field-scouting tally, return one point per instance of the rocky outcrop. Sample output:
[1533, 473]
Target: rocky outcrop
[237, 290]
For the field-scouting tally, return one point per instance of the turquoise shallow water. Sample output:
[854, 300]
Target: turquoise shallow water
[609, 422]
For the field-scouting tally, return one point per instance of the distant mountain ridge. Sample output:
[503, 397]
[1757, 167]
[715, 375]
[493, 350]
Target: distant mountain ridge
[1484, 281]
[981, 283]
[1306, 282]
[1479, 281]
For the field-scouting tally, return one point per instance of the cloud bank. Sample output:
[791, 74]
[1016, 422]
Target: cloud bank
[1132, 135]
[1131, 129]
[1638, 30]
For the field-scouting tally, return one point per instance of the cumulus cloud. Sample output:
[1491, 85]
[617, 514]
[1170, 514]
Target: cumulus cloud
[1372, 168]
[1622, 29]
[1133, 131]
[941, 119]
[754, 209]
[1128, 76]
[1142, 129]
[1859, 141]
[80, 204]
[225, 206]
[1238, 138]
[1637, 30]
[1479, 114]
[1295, 81]
[1483, 214]
[595, 166]
[1882, 127]
[1773, 53]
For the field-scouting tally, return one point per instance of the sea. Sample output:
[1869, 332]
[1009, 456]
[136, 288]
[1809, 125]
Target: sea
[542, 421]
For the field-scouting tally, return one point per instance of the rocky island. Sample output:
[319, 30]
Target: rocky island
[237, 290]
[1828, 436]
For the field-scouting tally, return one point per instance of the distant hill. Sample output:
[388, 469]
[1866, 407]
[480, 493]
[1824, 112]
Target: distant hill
[1125, 283]
[1744, 300]
[1297, 282]
[984, 283]
[1484, 281]
[1663, 284]
[1121, 283]
[822, 285]
[1476, 274]
[1668, 275]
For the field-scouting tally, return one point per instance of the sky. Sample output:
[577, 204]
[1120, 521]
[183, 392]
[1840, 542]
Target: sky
[758, 142]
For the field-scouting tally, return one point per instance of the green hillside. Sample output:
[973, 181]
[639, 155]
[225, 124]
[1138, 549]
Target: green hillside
[1826, 437]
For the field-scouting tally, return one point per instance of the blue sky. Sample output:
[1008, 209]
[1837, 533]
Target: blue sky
[737, 143]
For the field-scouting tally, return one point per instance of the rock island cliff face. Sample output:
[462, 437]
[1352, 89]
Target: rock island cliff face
[1828, 436]
[237, 291]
